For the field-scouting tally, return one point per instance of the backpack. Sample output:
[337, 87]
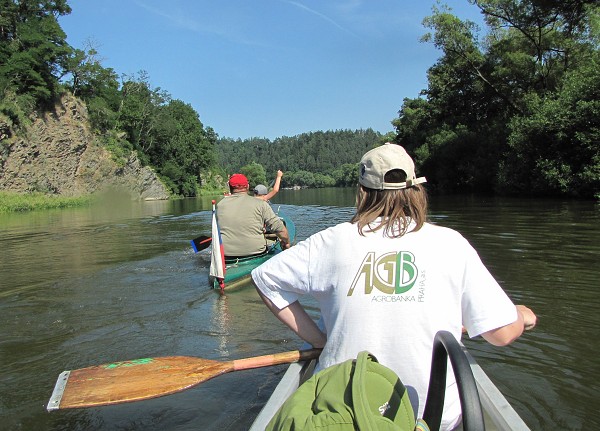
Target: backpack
[356, 394]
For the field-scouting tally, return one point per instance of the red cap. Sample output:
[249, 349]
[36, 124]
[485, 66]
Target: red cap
[238, 180]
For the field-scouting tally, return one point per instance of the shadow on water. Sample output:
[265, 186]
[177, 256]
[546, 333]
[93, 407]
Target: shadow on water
[119, 281]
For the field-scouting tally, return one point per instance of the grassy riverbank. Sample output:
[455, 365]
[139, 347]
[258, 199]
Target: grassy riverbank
[14, 202]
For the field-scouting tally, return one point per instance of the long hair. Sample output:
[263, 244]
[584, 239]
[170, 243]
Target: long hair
[397, 208]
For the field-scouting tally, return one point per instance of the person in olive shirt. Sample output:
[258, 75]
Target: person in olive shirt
[243, 220]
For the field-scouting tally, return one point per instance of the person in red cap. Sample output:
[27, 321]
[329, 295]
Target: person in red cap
[243, 219]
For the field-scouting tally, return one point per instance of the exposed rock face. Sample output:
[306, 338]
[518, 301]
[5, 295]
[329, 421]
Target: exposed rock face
[60, 155]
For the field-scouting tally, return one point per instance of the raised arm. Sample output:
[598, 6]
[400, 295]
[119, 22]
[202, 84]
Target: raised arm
[275, 187]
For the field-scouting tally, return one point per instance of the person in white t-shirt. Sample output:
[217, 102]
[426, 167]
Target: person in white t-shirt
[388, 281]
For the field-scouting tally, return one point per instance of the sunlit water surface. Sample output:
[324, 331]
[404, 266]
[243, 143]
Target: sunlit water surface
[119, 281]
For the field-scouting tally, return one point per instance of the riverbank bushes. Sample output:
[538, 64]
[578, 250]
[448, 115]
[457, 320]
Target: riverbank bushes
[17, 202]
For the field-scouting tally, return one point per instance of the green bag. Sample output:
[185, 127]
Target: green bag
[357, 394]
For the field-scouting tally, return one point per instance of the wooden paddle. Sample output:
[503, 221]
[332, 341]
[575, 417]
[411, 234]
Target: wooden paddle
[201, 243]
[142, 379]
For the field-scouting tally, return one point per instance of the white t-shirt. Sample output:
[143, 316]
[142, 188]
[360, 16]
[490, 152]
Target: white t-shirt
[390, 296]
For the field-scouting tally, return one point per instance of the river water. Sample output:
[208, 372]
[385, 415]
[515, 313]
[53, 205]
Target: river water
[119, 281]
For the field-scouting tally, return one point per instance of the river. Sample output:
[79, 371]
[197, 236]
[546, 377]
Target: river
[119, 281]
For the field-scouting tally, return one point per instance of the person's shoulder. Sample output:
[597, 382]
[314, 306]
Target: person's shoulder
[245, 197]
[337, 232]
[436, 229]
[443, 233]
[224, 200]
[260, 202]
[263, 206]
[342, 227]
[234, 197]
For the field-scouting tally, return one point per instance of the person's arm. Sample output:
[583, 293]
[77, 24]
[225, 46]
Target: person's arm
[275, 224]
[526, 319]
[275, 187]
[284, 238]
[298, 320]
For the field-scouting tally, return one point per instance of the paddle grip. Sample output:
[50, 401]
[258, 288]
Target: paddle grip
[276, 359]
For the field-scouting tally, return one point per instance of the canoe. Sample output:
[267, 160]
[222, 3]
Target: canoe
[497, 413]
[237, 272]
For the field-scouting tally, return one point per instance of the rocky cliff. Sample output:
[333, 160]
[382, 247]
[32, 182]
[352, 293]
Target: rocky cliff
[58, 154]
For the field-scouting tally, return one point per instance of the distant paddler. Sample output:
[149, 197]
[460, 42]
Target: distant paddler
[243, 220]
[262, 192]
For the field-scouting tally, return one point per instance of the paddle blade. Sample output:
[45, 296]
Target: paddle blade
[142, 379]
[129, 381]
[201, 243]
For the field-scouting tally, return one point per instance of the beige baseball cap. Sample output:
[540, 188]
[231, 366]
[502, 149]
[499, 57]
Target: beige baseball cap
[379, 161]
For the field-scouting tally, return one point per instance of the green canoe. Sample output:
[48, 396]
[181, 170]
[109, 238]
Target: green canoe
[237, 273]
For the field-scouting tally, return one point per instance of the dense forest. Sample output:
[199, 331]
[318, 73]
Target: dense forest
[317, 159]
[516, 111]
[512, 108]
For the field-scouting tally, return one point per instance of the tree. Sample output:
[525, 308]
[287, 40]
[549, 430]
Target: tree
[255, 174]
[180, 139]
[97, 85]
[33, 48]
[555, 148]
[346, 175]
[478, 119]
[139, 111]
[316, 152]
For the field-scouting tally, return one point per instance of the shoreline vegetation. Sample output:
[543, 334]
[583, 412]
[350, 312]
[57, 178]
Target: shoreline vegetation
[12, 202]
[21, 202]
[511, 109]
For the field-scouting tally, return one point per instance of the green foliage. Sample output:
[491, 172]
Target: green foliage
[132, 116]
[85, 77]
[89, 79]
[102, 117]
[13, 202]
[346, 175]
[307, 160]
[33, 48]
[119, 148]
[515, 111]
[15, 109]
[179, 139]
[255, 174]
[555, 148]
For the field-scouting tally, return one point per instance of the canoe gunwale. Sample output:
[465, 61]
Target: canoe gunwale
[499, 415]
[496, 407]
[296, 374]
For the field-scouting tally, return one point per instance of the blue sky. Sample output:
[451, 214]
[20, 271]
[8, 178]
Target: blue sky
[269, 68]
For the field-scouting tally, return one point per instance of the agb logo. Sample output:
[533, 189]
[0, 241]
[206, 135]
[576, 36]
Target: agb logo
[391, 273]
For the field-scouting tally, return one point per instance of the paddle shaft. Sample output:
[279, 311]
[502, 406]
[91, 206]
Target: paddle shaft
[201, 243]
[275, 359]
